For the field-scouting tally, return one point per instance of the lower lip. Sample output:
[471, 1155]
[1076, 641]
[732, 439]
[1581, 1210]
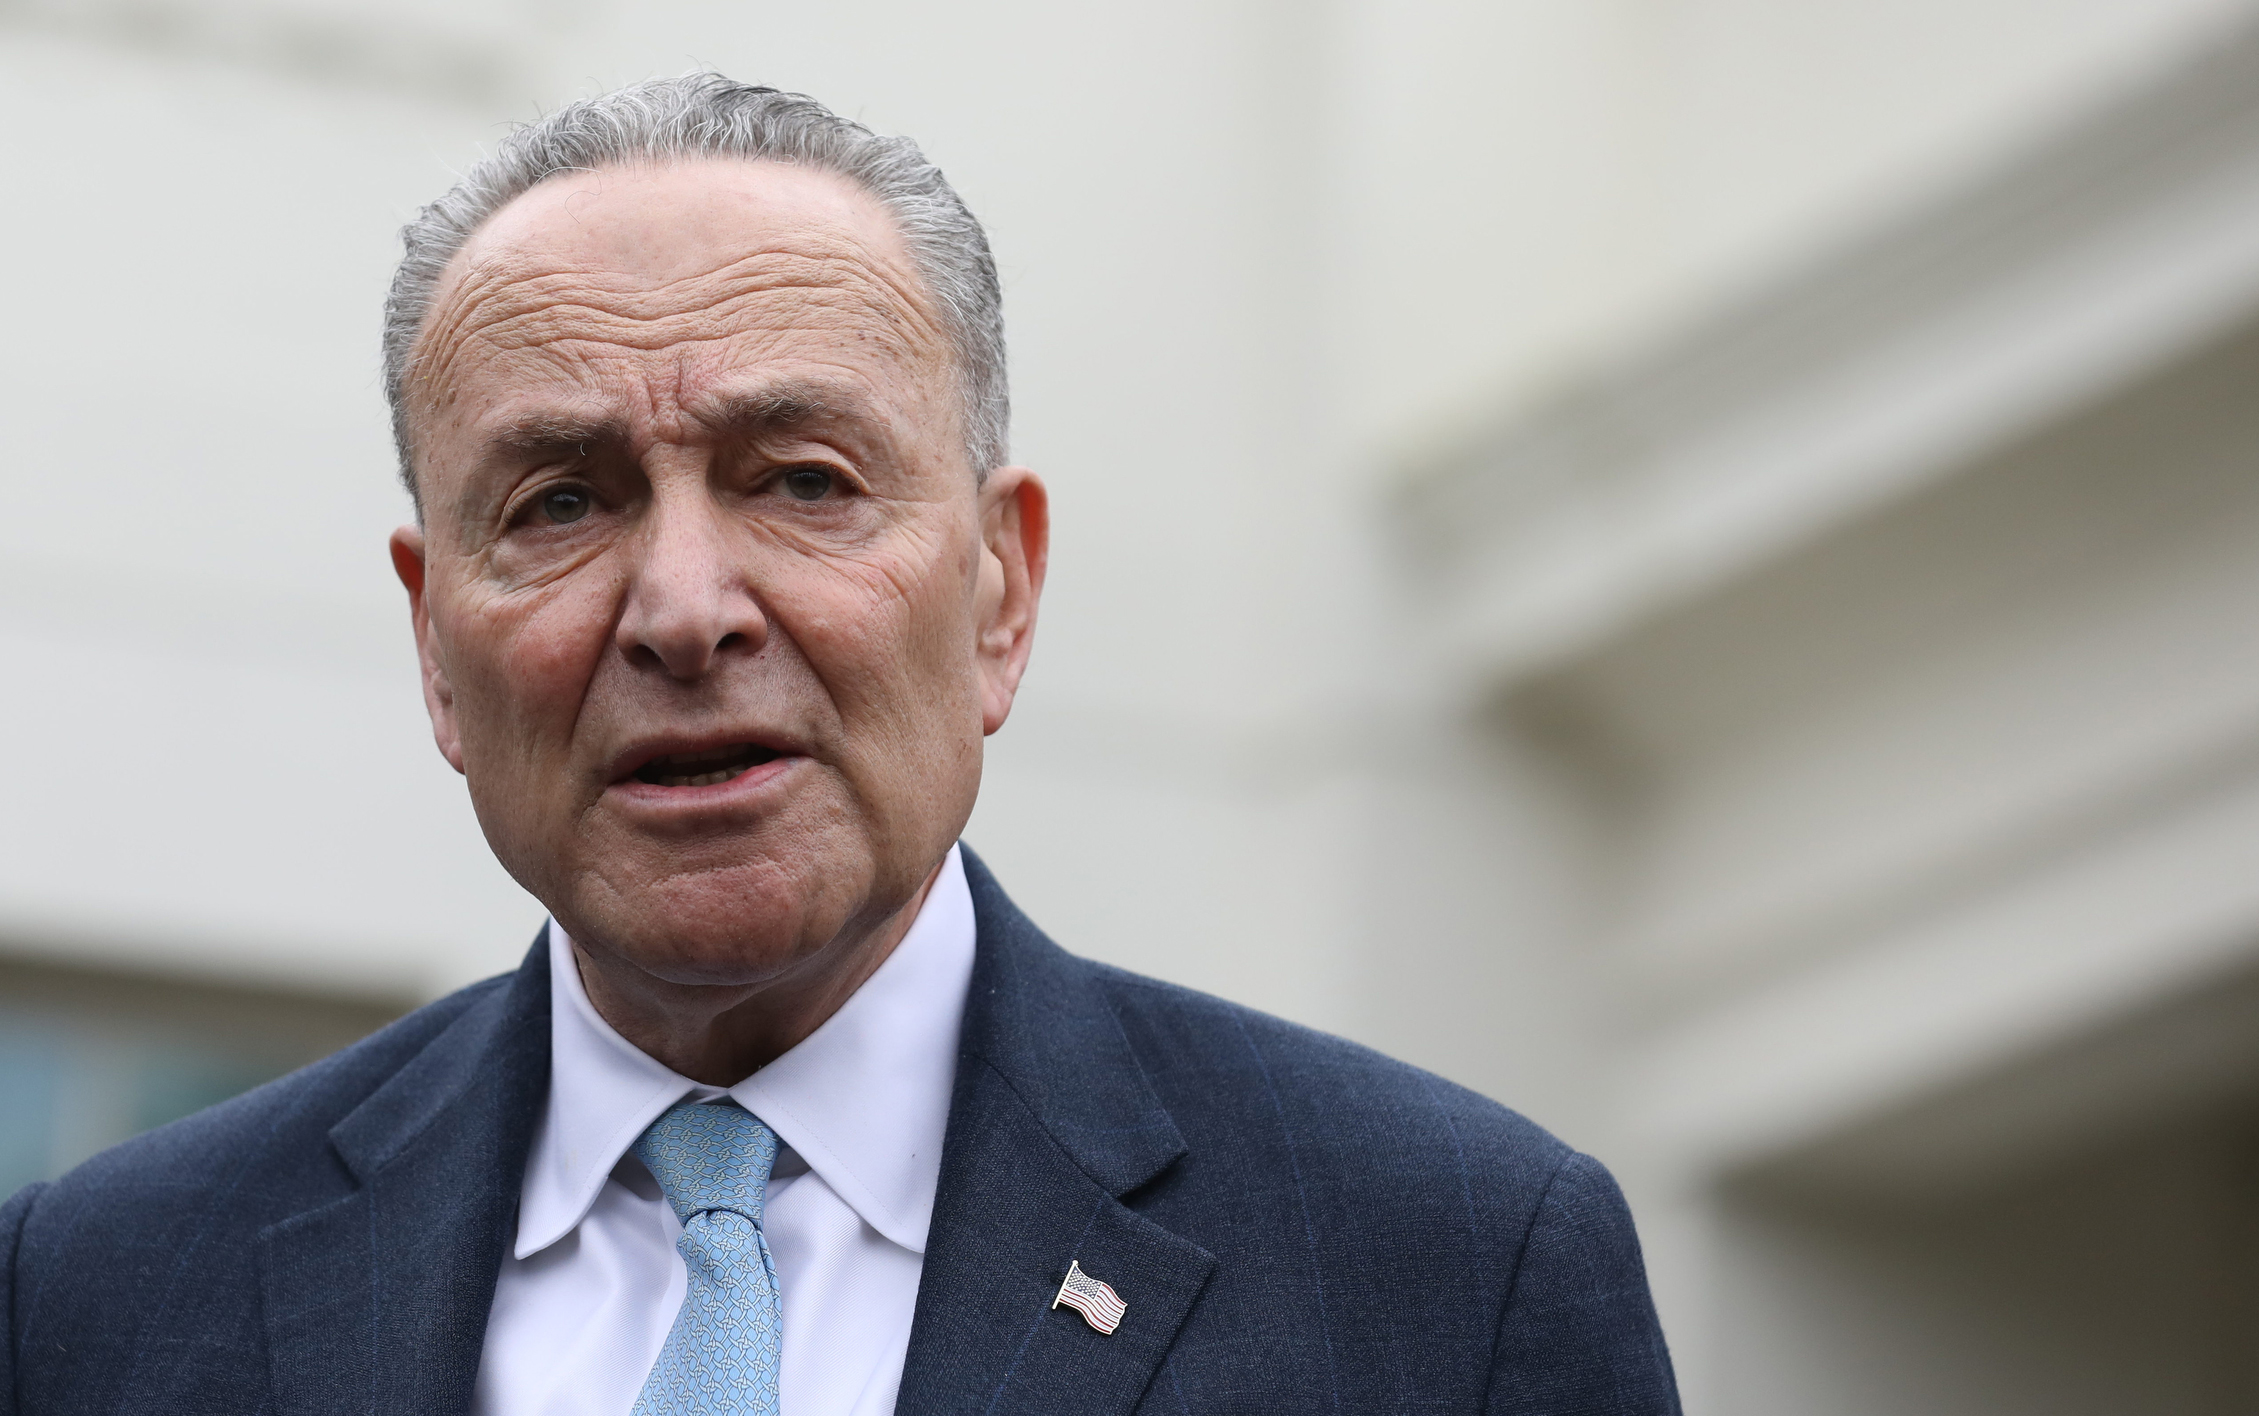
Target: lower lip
[746, 783]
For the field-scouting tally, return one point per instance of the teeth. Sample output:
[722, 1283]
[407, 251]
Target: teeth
[703, 779]
[704, 769]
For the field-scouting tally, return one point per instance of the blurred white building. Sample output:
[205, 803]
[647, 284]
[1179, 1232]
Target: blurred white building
[1690, 564]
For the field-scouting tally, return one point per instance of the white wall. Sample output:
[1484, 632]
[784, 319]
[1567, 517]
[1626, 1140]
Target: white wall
[211, 691]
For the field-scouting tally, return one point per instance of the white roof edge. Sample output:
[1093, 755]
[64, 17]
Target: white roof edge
[2122, 242]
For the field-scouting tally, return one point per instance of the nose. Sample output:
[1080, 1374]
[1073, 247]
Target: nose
[689, 603]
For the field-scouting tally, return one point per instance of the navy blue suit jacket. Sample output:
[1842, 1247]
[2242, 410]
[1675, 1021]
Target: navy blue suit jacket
[1297, 1225]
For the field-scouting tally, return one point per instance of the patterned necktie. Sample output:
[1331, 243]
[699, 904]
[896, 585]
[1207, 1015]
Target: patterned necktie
[722, 1354]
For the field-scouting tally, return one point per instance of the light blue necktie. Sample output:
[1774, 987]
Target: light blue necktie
[722, 1354]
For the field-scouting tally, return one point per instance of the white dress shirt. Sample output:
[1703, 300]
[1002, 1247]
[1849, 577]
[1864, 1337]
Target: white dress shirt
[587, 1295]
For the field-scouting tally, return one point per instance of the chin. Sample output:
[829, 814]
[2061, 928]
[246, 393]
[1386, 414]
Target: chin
[728, 925]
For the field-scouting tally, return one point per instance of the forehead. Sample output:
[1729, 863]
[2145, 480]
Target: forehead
[672, 277]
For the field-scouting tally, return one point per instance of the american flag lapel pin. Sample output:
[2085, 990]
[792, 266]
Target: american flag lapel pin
[1100, 1306]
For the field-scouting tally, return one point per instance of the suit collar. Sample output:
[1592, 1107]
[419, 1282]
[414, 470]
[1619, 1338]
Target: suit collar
[1052, 1124]
[1039, 1017]
[495, 1053]
[376, 1302]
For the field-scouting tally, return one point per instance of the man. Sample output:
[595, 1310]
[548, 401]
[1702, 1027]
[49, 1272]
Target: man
[720, 577]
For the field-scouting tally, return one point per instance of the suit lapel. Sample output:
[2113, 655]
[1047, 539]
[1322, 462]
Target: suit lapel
[376, 1303]
[1050, 1125]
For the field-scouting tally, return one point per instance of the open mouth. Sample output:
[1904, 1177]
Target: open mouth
[704, 769]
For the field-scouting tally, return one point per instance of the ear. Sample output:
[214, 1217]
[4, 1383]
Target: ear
[1015, 516]
[439, 697]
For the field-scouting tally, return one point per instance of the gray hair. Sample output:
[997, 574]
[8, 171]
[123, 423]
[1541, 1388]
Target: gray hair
[708, 115]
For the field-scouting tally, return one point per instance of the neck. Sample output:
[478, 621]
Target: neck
[720, 1034]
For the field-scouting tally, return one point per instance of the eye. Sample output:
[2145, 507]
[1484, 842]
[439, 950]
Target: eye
[563, 505]
[807, 483]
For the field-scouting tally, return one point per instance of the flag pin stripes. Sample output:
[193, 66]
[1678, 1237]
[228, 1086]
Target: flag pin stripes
[1099, 1305]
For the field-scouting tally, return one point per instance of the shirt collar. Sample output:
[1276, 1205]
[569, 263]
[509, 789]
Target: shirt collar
[864, 1099]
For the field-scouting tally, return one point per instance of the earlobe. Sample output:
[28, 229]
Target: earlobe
[408, 562]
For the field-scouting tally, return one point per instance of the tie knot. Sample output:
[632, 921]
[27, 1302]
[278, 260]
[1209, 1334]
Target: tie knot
[713, 1156]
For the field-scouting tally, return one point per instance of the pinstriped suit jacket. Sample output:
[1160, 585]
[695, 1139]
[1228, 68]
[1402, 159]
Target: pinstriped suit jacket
[1297, 1225]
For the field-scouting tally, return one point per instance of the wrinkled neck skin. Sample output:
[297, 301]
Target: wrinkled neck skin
[720, 1034]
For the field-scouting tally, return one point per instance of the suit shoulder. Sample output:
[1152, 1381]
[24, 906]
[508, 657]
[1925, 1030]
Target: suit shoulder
[269, 1132]
[1356, 1107]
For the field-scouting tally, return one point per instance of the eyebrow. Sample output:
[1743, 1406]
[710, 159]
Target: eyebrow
[779, 407]
[542, 433]
[774, 408]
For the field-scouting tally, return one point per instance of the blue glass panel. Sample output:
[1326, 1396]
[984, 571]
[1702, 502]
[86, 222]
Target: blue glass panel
[32, 1059]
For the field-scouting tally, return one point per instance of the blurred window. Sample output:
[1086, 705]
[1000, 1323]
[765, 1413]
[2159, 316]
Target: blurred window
[90, 1057]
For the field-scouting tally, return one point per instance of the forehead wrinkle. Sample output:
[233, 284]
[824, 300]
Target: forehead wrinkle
[508, 300]
[771, 310]
[615, 295]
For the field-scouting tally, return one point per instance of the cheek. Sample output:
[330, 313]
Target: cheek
[890, 637]
[531, 660]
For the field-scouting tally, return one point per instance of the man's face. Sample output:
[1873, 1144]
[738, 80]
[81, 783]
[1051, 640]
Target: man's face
[713, 611]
